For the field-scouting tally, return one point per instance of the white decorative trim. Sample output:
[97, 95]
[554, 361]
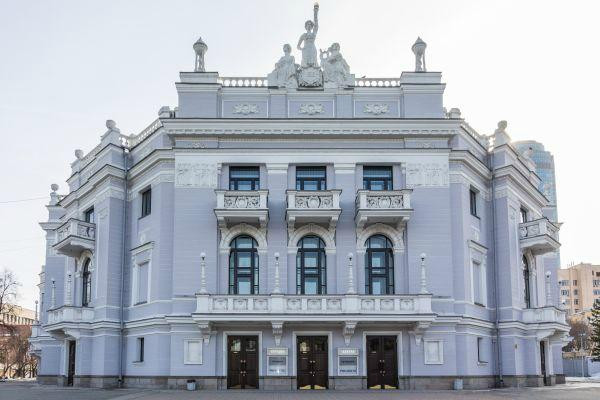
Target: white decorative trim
[196, 175]
[245, 108]
[328, 236]
[395, 235]
[426, 175]
[311, 108]
[376, 109]
[228, 234]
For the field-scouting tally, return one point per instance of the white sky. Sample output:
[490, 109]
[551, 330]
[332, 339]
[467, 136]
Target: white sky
[67, 66]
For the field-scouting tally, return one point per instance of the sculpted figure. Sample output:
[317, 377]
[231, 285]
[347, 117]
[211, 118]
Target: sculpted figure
[285, 70]
[306, 43]
[335, 68]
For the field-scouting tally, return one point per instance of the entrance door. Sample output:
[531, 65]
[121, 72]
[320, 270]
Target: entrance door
[382, 362]
[312, 362]
[242, 362]
[71, 369]
[543, 361]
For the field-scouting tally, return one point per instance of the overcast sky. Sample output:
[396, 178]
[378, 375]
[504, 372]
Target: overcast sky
[67, 66]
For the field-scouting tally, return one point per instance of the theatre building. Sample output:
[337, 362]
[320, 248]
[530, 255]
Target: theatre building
[307, 229]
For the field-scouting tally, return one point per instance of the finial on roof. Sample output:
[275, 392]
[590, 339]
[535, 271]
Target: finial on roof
[200, 48]
[419, 50]
[54, 187]
[79, 154]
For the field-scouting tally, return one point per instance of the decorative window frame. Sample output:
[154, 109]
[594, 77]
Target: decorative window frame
[440, 344]
[478, 255]
[139, 256]
[230, 233]
[328, 236]
[186, 342]
[396, 235]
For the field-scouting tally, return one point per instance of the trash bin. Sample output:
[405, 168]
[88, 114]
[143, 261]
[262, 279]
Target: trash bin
[458, 384]
[191, 384]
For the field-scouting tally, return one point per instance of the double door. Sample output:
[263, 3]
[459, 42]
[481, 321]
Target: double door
[242, 362]
[312, 365]
[382, 362]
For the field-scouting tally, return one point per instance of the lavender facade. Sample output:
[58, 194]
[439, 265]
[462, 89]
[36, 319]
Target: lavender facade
[305, 230]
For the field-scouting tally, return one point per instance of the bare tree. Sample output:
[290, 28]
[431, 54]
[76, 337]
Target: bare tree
[579, 329]
[8, 296]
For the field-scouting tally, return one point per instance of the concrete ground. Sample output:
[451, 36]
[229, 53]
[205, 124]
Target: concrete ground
[31, 391]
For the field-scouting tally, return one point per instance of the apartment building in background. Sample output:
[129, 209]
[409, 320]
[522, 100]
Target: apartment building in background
[579, 287]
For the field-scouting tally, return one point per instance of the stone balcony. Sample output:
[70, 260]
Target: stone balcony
[382, 206]
[345, 309]
[75, 236]
[69, 314]
[237, 206]
[539, 236]
[313, 206]
[549, 314]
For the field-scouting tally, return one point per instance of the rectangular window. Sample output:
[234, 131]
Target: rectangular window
[434, 351]
[596, 282]
[596, 292]
[575, 292]
[140, 349]
[142, 283]
[523, 215]
[575, 283]
[244, 178]
[564, 292]
[89, 216]
[576, 301]
[480, 356]
[377, 178]
[311, 178]
[146, 202]
[473, 202]
[192, 351]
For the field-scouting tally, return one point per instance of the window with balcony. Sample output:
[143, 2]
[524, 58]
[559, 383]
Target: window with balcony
[243, 266]
[88, 216]
[86, 274]
[311, 178]
[526, 283]
[244, 178]
[146, 202]
[596, 292]
[377, 178]
[564, 292]
[311, 266]
[473, 202]
[379, 266]
[596, 282]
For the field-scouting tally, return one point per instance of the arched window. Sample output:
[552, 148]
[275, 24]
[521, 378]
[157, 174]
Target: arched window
[379, 266]
[86, 295]
[527, 290]
[311, 265]
[243, 266]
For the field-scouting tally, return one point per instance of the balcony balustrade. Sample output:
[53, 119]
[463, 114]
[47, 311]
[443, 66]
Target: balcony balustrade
[288, 308]
[539, 236]
[384, 206]
[68, 315]
[540, 315]
[240, 206]
[75, 236]
[313, 206]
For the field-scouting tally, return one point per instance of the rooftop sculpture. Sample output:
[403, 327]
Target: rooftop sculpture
[419, 49]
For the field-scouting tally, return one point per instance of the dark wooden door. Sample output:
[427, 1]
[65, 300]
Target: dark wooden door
[312, 362]
[71, 369]
[242, 362]
[543, 361]
[382, 362]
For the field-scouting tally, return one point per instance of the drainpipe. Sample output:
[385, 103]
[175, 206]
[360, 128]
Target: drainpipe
[123, 261]
[495, 276]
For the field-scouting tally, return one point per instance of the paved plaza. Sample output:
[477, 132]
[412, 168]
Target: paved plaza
[32, 391]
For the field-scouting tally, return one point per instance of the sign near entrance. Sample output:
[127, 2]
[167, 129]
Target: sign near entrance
[347, 361]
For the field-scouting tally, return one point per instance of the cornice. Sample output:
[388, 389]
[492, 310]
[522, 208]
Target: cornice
[514, 175]
[106, 172]
[467, 158]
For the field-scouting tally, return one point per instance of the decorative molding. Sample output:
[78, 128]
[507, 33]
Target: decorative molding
[245, 108]
[427, 175]
[376, 109]
[328, 235]
[348, 332]
[229, 233]
[277, 327]
[311, 108]
[395, 235]
[196, 175]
